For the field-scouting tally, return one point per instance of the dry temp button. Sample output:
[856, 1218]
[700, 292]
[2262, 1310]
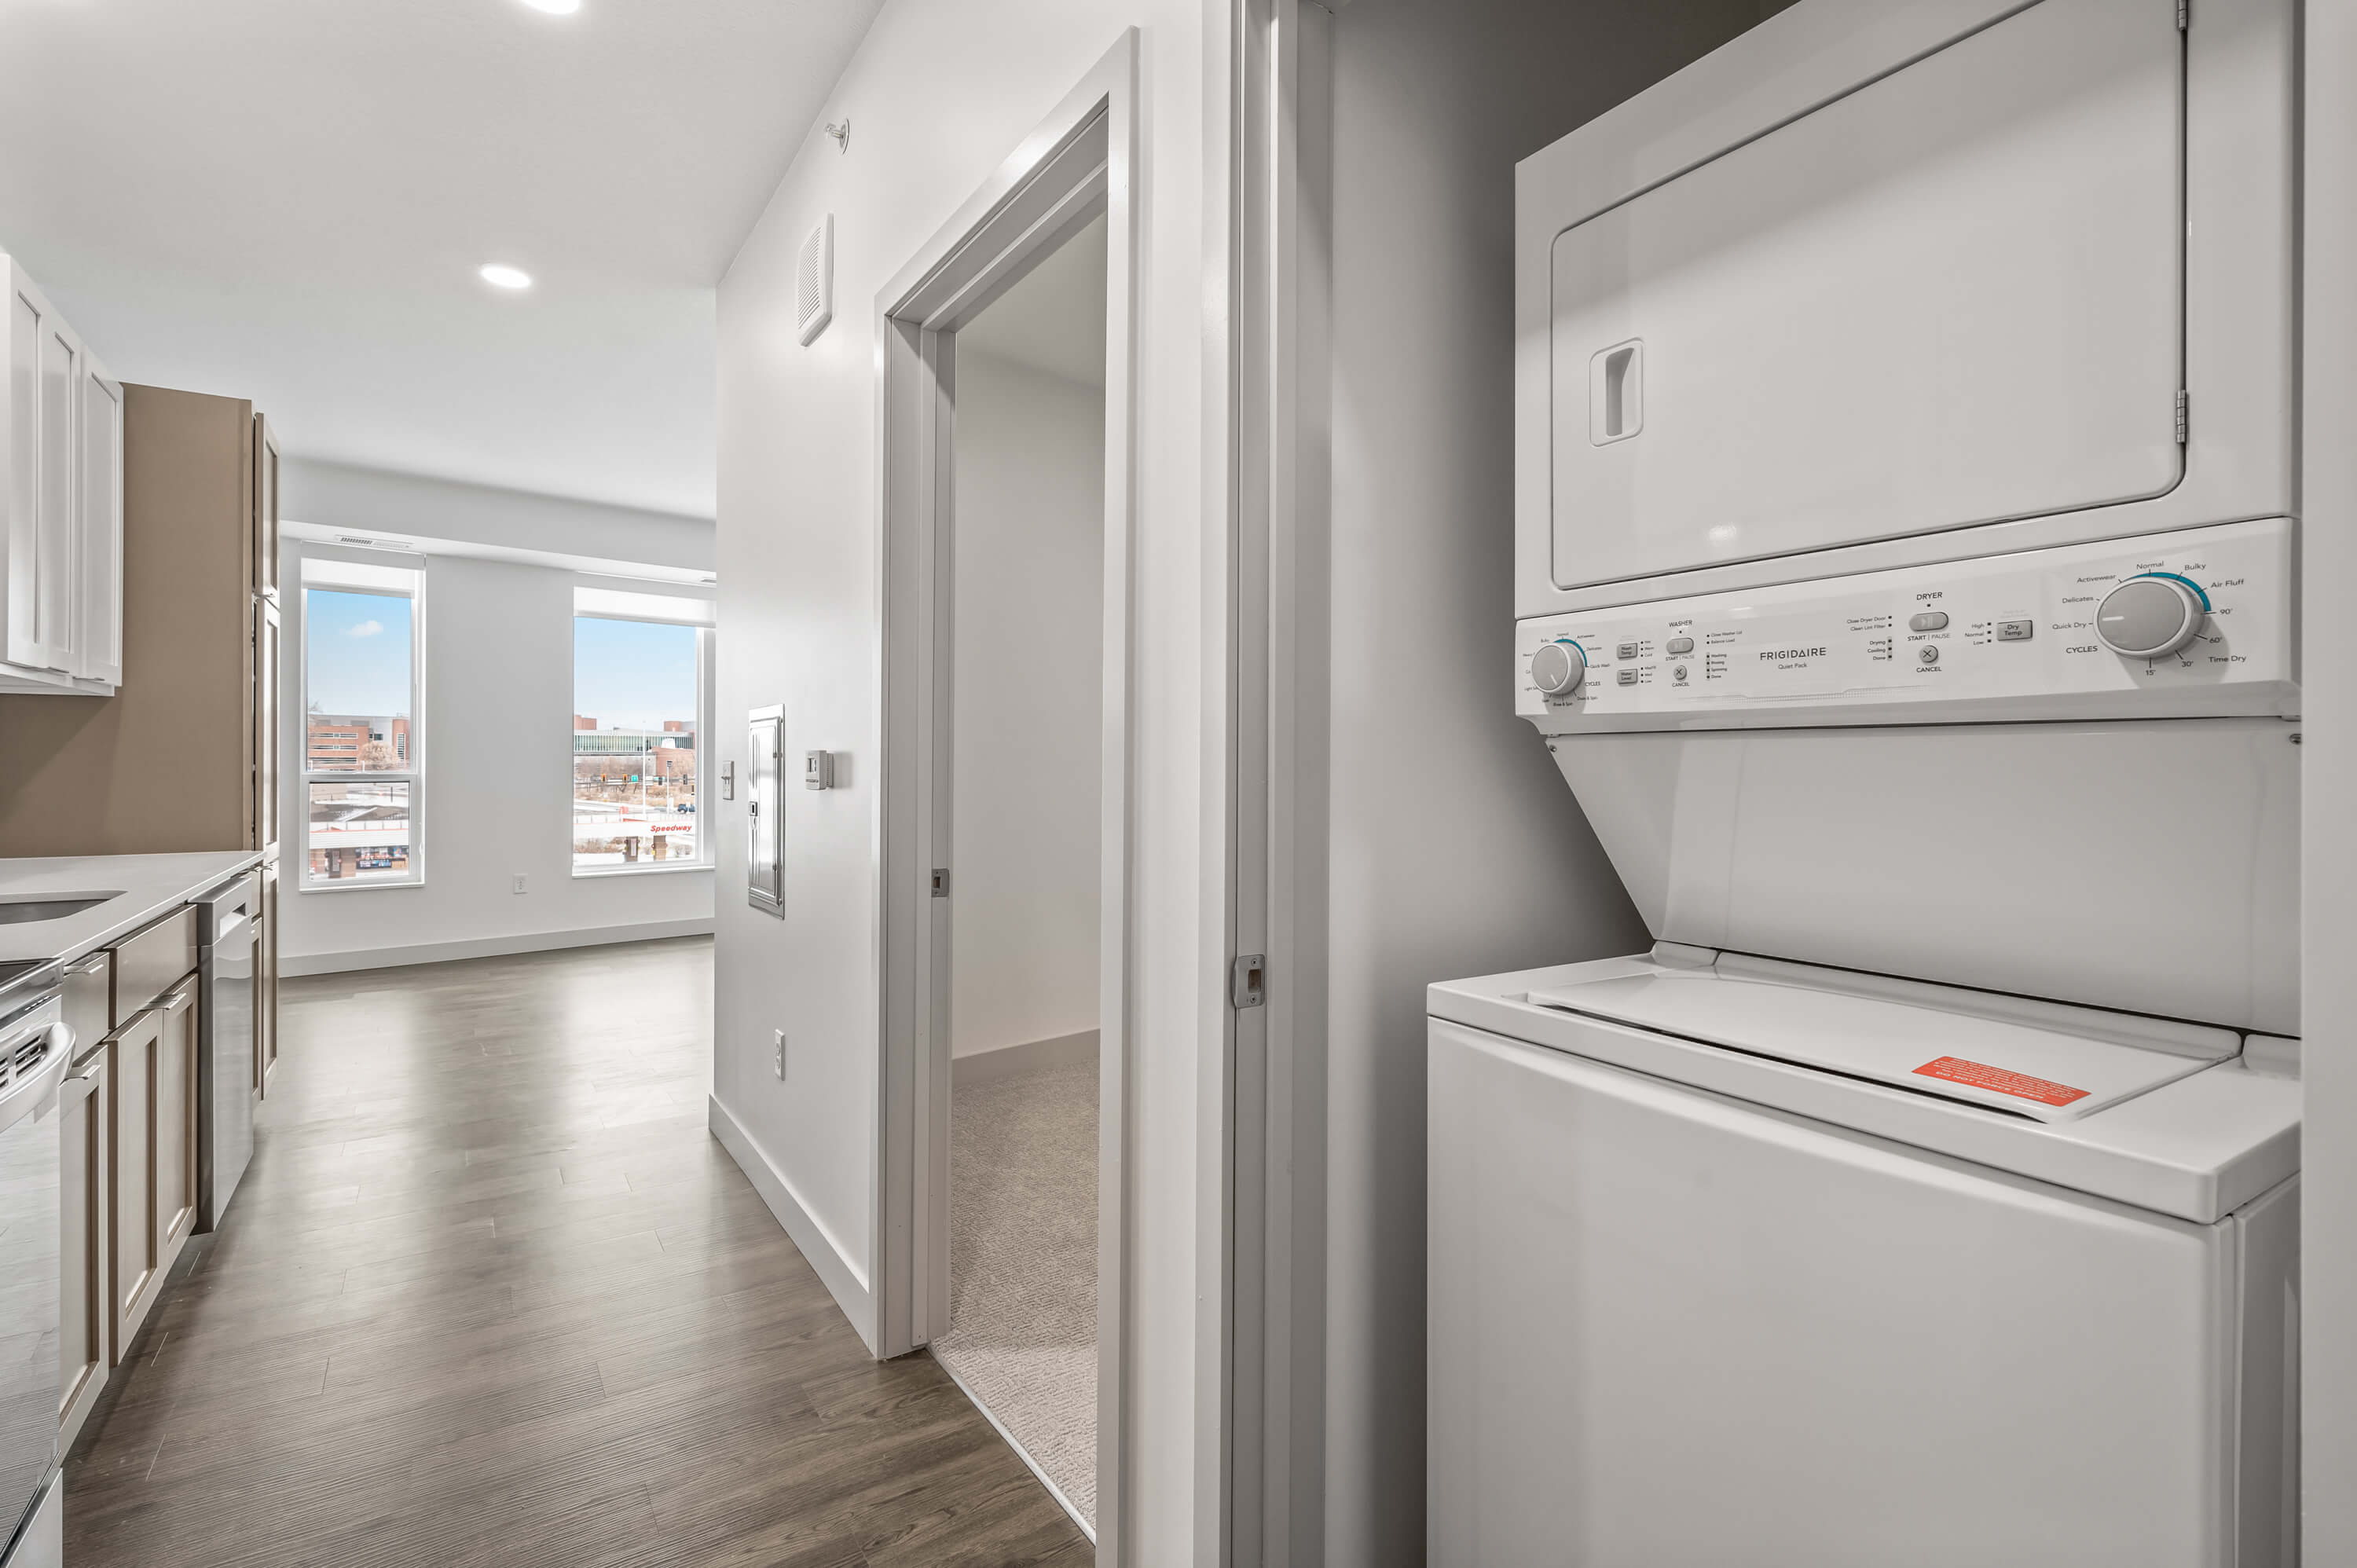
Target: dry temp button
[2013, 630]
[1682, 645]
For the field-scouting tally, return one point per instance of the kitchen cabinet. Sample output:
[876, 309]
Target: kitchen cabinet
[266, 510]
[152, 1126]
[61, 451]
[265, 982]
[98, 558]
[85, 1323]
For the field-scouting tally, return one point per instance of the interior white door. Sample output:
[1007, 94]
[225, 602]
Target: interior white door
[1671, 1330]
[1953, 295]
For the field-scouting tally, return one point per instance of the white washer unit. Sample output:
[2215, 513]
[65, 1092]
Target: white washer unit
[1906, 563]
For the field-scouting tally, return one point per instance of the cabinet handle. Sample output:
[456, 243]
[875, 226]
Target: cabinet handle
[89, 963]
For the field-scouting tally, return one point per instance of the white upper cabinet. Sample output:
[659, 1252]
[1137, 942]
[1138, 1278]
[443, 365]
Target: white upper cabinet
[61, 416]
[98, 558]
[1953, 296]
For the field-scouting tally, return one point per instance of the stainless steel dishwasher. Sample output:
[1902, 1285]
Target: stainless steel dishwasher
[225, 929]
[35, 1047]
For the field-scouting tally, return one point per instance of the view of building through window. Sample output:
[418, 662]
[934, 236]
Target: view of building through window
[359, 757]
[636, 698]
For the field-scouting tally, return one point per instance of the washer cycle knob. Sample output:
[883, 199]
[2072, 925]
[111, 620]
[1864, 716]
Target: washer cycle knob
[1558, 668]
[2151, 616]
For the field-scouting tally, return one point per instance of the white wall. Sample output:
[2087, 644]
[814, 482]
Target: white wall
[2329, 832]
[497, 752]
[1028, 667]
[941, 92]
[1455, 847]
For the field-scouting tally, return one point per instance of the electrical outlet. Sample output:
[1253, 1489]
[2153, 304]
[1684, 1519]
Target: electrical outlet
[781, 1034]
[519, 881]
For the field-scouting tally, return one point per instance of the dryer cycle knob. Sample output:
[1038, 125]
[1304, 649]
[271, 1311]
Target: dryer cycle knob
[2151, 616]
[1558, 668]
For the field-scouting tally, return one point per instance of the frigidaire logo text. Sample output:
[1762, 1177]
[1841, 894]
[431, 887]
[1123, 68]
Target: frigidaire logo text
[1793, 653]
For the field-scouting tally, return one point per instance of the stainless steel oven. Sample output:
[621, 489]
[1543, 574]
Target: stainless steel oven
[35, 1047]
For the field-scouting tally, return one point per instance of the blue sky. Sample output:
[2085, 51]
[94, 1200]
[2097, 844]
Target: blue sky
[359, 651]
[630, 674]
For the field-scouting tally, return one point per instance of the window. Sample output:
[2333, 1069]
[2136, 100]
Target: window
[362, 777]
[641, 667]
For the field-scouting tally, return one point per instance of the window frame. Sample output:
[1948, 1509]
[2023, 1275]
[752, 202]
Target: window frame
[658, 604]
[404, 578]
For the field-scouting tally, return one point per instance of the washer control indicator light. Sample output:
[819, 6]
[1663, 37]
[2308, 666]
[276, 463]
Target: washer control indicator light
[1930, 620]
[2014, 630]
[1681, 645]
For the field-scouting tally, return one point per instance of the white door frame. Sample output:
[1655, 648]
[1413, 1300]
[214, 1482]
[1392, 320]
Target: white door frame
[1272, 1429]
[1079, 162]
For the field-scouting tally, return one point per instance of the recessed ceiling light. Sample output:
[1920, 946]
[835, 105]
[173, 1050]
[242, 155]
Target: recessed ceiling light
[556, 7]
[501, 276]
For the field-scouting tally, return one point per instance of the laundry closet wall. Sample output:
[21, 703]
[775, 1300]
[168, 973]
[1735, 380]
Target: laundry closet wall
[1028, 671]
[1455, 848]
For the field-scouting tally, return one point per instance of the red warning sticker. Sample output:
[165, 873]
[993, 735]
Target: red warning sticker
[2002, 1080]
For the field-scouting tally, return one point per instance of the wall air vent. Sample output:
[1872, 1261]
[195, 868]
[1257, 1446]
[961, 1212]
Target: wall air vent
[814, 281]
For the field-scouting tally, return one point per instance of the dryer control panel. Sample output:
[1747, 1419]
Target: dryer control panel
[2178, 624]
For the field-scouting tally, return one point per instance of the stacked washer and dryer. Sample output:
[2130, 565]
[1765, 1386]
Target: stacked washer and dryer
[1906, 560]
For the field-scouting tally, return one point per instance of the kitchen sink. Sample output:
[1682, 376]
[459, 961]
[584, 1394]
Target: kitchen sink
[26, 911]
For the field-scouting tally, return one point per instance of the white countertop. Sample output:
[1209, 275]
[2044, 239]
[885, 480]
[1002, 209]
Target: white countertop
[149, 885]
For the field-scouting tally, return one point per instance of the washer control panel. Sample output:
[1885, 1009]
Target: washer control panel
[2187, 624]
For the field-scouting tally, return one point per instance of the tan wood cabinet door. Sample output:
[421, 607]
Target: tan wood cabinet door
[85, 1320]
[175, 1123]
[131, 1187]
[265, 983]
[264, 761]
[265, 508]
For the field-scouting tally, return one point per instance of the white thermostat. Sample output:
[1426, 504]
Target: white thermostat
[818, 770]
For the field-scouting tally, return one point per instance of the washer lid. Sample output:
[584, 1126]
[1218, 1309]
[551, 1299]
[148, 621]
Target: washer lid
[2024, 1068]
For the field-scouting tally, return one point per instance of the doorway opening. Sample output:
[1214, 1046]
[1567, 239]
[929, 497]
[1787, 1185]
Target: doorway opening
[1006, 764]
[1026, 670]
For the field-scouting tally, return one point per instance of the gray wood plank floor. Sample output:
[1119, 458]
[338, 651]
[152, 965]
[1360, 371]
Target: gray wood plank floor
[490, 1295]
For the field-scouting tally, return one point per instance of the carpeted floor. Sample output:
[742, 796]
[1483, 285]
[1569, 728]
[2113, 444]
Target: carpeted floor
[1023, 1265]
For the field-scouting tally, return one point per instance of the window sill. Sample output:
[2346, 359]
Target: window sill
[354, 885]
[649, 870]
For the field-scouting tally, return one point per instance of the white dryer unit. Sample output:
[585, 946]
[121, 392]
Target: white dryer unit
[1905, 567]
[1884, 282]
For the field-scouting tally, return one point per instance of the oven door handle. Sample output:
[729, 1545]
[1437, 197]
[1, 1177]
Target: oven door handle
[37, 1093]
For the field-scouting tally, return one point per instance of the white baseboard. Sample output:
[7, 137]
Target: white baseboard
[1064, 1050]
[844, 1283]
[487, 947]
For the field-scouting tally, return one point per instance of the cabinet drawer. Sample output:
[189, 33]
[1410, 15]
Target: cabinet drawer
[89, 998]
[151, 962]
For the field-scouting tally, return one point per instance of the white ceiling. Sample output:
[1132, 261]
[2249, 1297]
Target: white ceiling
[287, 200]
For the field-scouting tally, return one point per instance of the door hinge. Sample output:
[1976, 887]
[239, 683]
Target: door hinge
[941, 882]
[2180, 416]
[2184, 15]
[1248, 982]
